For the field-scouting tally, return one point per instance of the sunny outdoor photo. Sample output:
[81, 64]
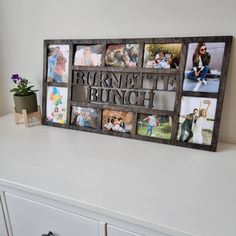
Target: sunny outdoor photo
[162, 56]
[196, 121]
[154, 126]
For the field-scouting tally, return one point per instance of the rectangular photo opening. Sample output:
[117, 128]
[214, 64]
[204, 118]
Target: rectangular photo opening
[58, 63]
[203, 67]
[162, 56]
[196, 121]
[88, 55]
[84, 117]
[122, 55]
[155, 126]
[56, 107]
[118, 121]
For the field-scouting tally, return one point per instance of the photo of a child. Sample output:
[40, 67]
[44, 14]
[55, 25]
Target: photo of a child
[154, 126]
[56, 104]
[118, 121]
[88, 55]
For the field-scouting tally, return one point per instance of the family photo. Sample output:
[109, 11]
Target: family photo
[88, 55]
[154, 126]
[119, 121]
[56, 105]
[162, 56]
[122, 55]
[203, 67]
[84, 117]
[58, 60]
[196, 121]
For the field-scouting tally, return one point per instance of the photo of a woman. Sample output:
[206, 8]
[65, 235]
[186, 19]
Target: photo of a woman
[203, 67]
[201, 60]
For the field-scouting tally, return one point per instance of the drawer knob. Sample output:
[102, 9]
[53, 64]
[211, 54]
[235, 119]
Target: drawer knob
[48, 234]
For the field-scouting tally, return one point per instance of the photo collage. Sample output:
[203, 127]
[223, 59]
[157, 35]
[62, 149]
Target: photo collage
[201, 81]
[117, 55]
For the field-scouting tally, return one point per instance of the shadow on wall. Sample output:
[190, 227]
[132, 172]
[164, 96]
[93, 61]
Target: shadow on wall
[2, 103]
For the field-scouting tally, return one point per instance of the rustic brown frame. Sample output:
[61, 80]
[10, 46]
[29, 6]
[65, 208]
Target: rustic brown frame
[178, 73]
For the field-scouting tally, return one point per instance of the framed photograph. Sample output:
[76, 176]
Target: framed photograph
[162, 56]
[122, 55]
[88, 55]
[203, 67]
[118, 121]
[56, 105]
[58, 61]
[196, 121]
[154, 126]
[142, 88]
[84, 117]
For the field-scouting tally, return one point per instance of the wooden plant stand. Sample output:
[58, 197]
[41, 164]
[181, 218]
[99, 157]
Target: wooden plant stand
[26, 116]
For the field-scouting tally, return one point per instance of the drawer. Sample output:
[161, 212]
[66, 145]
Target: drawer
[3, 230]
[116, 231]
[28, 217]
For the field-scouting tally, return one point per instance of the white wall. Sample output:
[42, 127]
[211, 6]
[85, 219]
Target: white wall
[24, 24]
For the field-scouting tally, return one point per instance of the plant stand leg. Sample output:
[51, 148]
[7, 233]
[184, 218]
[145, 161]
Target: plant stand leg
[16, 116]
[26, 118]
[38, 114]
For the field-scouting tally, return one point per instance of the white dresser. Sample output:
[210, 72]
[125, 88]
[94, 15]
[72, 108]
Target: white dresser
[62, 182]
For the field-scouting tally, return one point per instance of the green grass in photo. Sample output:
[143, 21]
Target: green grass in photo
[163, 131]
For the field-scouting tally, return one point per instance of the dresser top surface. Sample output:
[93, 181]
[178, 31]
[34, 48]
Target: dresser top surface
[186, 189]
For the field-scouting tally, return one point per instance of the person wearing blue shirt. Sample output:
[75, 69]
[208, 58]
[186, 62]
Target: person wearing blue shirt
[52, 62]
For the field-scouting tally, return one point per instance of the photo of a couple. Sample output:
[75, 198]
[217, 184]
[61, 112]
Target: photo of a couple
[84, 117]
[196, 120]
[58, 58]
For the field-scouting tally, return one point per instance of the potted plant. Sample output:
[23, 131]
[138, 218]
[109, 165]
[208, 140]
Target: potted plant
[24, 95]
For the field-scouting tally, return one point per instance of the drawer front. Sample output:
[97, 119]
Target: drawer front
[28, 217]
[115, 231]
[3, 230]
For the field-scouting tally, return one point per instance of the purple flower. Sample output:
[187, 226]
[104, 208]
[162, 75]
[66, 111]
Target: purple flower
[16, 78]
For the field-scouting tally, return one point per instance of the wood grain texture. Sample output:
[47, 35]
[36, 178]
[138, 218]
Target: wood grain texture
[167, 76]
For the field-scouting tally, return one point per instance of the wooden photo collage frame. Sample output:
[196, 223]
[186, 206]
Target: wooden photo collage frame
[164, 90]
